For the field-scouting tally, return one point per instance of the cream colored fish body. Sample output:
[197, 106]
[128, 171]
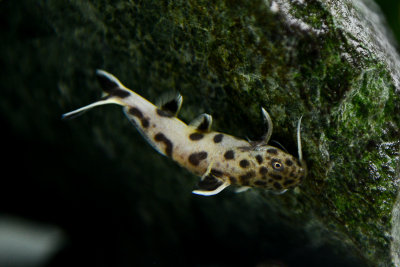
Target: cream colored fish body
[220, 159]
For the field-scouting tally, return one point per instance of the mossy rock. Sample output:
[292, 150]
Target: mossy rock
[331, 62]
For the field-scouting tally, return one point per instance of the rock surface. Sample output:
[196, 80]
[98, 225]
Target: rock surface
[121, 203]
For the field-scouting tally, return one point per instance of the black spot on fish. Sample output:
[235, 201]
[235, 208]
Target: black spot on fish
[137, 113]
[273, 151]
[172, 106]
[276, 176]
[160, 137]
[260, 183]
[196, 136]
[244, 179]
[195, 158]
[218, 138]
[118, 93]
[216, 172]
[277, 186]
[204, 125]
[244, 163]
[233, 180]
[209, 183]
[145, 122]
[229, 154]
[289, 162]
[259, 159]
[263, 170]
[110, 87]
[106, 84]
[288, 182]
[164, 113]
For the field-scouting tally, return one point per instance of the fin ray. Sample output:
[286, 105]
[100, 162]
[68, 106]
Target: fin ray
[242, 189]
[80, 111]
[210, 184]
[279, 192]
[280, 145]
[208, 187]
[300, 152]
[268, 134]
[114, 91]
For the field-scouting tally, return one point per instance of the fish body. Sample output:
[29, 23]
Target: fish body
[220, 159]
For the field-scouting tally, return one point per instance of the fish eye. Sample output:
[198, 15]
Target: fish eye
[277, 165]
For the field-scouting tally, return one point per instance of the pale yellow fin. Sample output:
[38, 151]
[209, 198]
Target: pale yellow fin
[202, 123]
[170, 102]
[214, 189]
[114, 92]
[210, 184]
[242, 189]
[270, 126]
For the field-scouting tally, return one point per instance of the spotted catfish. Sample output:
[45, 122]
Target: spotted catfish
[220, 159]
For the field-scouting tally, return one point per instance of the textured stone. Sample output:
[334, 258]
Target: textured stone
[330, 61]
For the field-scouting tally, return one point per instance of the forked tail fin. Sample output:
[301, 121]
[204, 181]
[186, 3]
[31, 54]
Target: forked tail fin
[113, 89]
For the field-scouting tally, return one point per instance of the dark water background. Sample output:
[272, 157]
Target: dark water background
[93, 222]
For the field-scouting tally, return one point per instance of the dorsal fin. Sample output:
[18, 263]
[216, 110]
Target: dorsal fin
[202, 122]
[170, 102]
[268, 120]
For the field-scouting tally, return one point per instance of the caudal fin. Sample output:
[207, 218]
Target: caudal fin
[113, 89]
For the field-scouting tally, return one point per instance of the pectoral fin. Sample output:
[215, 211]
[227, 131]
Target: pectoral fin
[279, 192]
[242, 189]
[211, 185]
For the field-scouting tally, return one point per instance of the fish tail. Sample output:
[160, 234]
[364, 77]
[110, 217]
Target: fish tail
[114, 92]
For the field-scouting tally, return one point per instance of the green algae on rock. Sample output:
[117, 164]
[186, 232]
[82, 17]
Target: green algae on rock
[330, 61]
